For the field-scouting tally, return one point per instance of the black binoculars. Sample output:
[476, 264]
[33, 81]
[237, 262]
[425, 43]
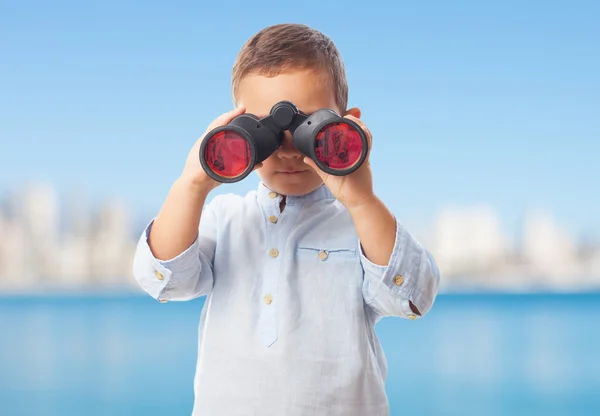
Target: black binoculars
[336, 144]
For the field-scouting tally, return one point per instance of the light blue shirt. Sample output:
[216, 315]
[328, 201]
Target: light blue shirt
[287, 328]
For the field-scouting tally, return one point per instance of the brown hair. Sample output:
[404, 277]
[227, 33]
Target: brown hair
[283, 47]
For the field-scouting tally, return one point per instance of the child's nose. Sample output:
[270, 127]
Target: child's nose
[287, 150]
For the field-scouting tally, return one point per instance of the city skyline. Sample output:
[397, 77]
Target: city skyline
[68, 242]
[587, 231]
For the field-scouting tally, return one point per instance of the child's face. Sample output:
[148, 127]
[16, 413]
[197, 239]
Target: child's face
[284, 171]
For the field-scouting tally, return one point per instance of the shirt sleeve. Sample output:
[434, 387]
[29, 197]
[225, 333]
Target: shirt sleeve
[185, 277]
[411, 276]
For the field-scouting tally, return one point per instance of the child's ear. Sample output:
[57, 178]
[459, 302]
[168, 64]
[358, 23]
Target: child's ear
[354, 112]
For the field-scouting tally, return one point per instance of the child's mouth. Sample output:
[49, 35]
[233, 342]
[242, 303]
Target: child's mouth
[291, 172]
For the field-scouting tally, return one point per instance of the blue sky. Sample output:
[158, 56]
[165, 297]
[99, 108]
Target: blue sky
[468, 102]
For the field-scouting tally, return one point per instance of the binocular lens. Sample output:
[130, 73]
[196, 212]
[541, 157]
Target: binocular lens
[228, 154]
[338, 146]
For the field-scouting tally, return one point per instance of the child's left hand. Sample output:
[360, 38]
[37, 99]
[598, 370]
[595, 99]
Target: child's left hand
[355, 189]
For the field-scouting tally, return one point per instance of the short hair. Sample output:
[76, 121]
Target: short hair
[283, 47]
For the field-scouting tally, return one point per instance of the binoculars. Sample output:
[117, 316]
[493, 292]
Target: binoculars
[337, 145]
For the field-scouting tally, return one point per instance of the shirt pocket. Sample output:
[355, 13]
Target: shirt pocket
[322, 254]
[330, 265]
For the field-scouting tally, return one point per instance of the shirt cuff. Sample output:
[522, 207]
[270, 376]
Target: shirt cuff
[399, 276]
[154, 274]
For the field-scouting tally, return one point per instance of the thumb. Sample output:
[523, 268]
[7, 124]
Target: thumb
[314, 166]
[226, 118]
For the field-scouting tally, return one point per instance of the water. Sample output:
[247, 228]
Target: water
[472, 355]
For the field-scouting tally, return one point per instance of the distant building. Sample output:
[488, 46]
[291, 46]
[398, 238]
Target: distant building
[36, 251]
[112, 247]
[469, 241]
[548, 250]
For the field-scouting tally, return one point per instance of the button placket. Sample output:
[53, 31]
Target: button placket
[276, 235]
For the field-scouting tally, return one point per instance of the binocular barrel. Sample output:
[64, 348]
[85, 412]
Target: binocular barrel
[336, 144]
[229, 153]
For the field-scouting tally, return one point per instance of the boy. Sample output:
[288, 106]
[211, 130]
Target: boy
[297, 273]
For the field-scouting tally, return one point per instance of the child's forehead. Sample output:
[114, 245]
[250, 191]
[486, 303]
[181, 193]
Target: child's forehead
[305, 89]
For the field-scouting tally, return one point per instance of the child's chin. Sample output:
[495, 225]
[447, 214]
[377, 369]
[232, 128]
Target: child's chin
[294, 185]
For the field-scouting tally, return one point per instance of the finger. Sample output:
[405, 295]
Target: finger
[314, 166]
[369, 136]
[222, 120]
[356, 120]
[364, 128]
[310, 162]
[226, 118]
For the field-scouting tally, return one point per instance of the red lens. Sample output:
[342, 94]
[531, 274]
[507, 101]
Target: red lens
[228, 154]
[338, 146]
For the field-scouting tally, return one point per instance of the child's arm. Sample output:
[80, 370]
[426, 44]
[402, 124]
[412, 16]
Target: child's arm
[174, 256]
[401, 277]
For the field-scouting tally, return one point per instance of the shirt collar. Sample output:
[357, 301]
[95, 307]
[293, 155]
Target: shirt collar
[267, 196]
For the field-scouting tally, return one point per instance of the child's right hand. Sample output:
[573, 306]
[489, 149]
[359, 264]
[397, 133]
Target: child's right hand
[193, 173]
[176, 226]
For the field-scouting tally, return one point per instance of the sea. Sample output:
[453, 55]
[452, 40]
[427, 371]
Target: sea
[473, 354]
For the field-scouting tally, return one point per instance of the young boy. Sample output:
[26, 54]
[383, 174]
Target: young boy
[296, 273]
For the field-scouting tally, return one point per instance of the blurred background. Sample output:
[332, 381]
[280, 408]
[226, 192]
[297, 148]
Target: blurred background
[486, 126]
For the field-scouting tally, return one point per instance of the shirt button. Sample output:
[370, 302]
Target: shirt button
[398, 280]
[158, 275]
[273, 219]
[412, 317]
[272, 195]
[322, 255]
[274, 252]
[268, 299]
[163, 301]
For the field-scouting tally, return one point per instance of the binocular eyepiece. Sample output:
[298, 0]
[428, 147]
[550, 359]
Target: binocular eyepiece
[336, 144]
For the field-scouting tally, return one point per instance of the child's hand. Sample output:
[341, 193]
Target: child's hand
[355, 189]
[193, 173]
